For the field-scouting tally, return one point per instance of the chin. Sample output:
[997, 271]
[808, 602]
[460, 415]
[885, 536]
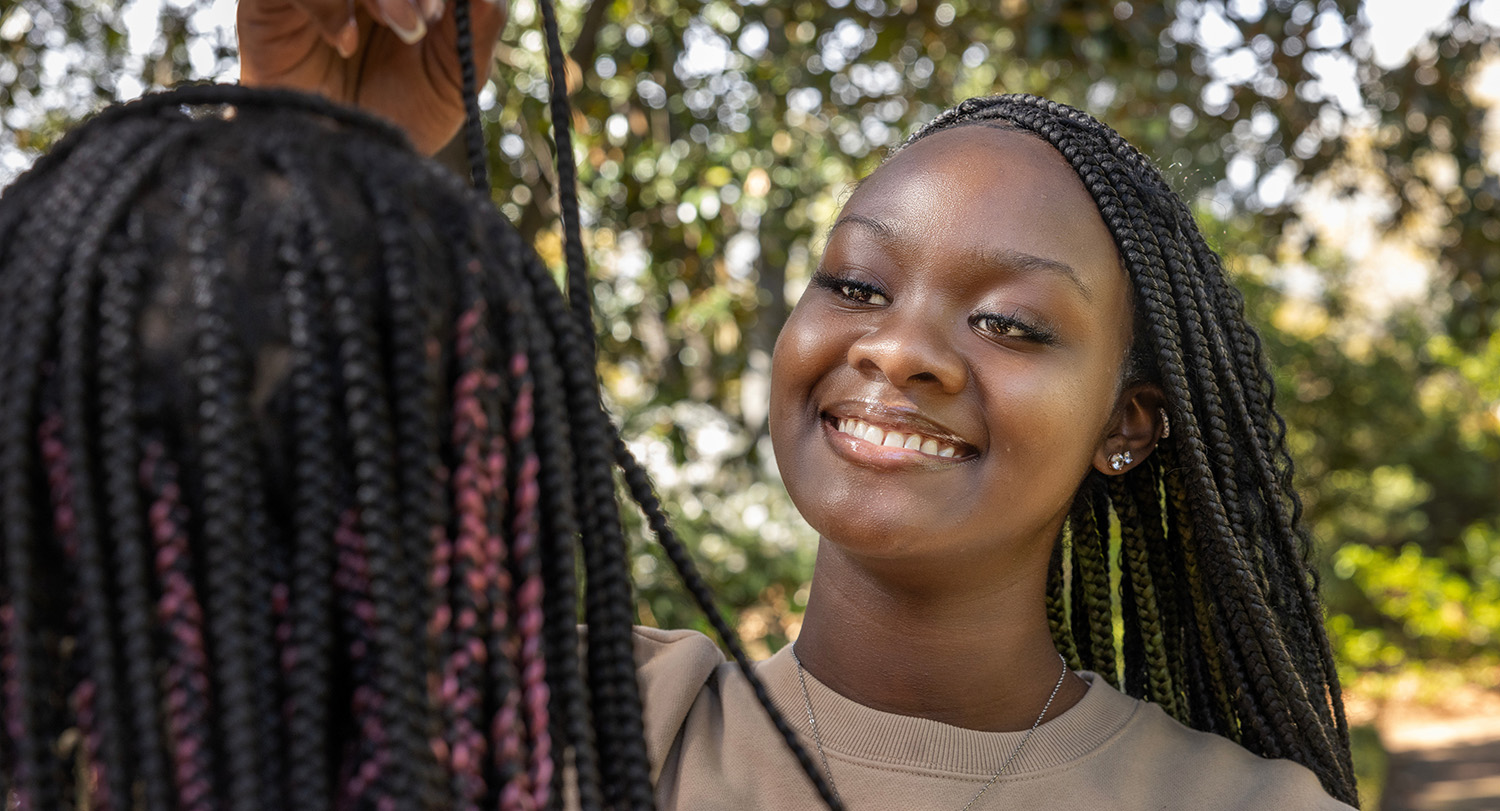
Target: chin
[886, 534]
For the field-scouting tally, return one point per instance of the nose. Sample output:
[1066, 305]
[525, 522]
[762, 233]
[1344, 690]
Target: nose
[911, 350]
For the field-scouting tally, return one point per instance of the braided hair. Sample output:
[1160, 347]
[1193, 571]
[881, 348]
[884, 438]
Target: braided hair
[300, 450]
[1218, 596]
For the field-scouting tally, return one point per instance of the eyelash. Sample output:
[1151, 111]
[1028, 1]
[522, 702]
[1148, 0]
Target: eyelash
[995, 324]
[855, 291]
[998, 324]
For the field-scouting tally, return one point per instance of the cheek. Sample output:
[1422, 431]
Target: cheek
[1057, 414]
[804, 350]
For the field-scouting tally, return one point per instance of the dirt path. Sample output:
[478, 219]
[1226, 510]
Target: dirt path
[1442, 760]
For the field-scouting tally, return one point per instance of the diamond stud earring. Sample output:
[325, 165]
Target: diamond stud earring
[1118, 461]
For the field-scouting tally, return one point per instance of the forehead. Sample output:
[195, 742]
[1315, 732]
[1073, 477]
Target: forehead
[978, 187]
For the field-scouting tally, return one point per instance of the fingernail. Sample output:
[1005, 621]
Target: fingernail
[347, 41]
[403, 18]
[432, 10]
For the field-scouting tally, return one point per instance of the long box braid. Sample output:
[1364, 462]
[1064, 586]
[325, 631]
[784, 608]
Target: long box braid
[1222, 624]
[616, 700]
[300, 446]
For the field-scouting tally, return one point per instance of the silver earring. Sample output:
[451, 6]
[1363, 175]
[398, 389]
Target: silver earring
[1166, 424]
[1118, 461]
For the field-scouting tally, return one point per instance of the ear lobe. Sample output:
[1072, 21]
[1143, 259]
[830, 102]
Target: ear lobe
[1138, 423]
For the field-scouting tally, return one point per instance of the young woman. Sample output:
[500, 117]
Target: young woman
[1001, 347]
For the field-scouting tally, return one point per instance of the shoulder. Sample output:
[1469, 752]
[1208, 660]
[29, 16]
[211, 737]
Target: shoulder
[1210, 771]
[672, 668]
[672, 659]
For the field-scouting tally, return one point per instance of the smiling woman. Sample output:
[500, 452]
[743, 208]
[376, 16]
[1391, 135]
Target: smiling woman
[1018, 376]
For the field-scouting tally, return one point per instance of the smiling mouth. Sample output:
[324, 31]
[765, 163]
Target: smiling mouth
[888, 438]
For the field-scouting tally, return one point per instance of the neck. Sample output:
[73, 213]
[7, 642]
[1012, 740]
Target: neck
[978, 656]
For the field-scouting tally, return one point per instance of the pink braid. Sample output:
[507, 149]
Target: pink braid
[352, 580]
[529, 596]
[186, 680]
[464, 667]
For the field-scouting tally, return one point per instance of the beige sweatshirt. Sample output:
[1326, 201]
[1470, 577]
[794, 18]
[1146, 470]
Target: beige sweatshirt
[712, 747]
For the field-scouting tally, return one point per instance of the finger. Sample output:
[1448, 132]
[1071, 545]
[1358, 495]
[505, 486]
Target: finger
[432, 10]
[404, 17]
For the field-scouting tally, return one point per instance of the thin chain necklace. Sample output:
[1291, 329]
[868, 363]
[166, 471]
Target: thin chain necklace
[812, 721]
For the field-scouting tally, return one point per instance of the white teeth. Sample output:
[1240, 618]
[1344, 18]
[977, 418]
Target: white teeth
[895, 439]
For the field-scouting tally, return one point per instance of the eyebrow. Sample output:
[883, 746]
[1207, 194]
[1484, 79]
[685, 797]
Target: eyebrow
[1003, 257]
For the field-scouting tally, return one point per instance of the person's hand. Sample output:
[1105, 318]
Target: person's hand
[395, 58]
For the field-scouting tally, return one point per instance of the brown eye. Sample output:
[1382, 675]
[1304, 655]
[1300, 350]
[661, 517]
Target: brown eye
[851, 290]
[864, 294]
[1011, 328]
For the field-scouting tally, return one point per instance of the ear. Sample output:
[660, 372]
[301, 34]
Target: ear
[1138, 423]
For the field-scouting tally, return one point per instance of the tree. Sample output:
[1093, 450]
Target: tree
[718, 137]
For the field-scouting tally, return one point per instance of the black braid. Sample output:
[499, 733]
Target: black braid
[582, 363]
[1057, 609]
[34, 263]
[315, 516]
[1147, 667]
[1090, 534]
[229, 382]
[414, 408]
[579, 296]
[118, 306]
[560, 527]
[468, 68]
[640, 487]
[219, 380]
[608, 608]
[1219, 592]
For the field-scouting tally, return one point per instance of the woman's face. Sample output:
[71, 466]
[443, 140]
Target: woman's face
[970, 307]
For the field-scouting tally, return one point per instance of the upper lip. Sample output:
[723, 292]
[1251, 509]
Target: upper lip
[901, 418]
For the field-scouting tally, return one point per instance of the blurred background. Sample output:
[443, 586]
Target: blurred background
[1343, 156]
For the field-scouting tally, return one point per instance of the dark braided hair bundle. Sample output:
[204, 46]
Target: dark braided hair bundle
[299, 448]
[609, 632]
[1222, 624]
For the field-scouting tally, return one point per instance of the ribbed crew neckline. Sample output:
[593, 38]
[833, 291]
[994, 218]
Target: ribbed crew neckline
[854, 730]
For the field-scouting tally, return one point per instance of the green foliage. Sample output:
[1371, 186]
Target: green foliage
[1428, 610]
[718, 138]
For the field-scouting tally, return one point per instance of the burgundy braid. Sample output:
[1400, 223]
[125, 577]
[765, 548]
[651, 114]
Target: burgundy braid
[186, 681]
[467, 655]
[506, 730]
[351, 579]
[529, 596]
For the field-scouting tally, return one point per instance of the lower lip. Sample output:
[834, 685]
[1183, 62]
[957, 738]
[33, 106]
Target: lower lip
[881, 457]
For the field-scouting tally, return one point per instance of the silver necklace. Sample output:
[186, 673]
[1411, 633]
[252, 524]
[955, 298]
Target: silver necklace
[812, 721]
